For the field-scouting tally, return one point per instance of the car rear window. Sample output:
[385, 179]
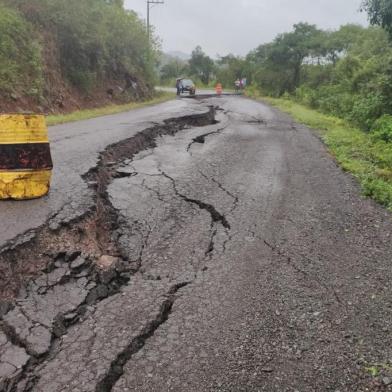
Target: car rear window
[187, 82]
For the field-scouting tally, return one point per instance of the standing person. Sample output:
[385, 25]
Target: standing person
[244, 82]
[219, 89]
[237, 85]
[178, 86]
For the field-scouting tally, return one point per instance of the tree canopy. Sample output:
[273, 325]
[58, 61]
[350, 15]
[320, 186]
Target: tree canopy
[347, 72]
[201, 65]
[380, 13]
[94, 40]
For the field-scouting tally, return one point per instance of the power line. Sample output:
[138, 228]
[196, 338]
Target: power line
[149, 4]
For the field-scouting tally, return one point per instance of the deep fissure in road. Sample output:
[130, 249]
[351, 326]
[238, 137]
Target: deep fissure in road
[44, 242]
[201, 139]
[216, 216]
[117, 366]
[85, 250]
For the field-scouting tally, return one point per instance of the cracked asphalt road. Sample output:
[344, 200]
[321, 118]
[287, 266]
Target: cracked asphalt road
[75, 149]
[246, 261]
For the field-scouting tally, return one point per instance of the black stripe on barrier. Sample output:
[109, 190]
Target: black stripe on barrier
[29, 156]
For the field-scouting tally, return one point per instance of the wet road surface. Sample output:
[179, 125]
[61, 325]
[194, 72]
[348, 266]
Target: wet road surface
[75, 149]
[241, 259]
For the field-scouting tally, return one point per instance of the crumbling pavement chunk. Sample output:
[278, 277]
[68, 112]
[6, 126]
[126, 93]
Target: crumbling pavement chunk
[12, 360]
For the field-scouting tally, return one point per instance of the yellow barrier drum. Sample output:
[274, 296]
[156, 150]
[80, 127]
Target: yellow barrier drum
[25, 159]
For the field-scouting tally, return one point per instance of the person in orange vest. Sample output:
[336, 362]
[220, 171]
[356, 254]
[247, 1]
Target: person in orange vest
[218, 89]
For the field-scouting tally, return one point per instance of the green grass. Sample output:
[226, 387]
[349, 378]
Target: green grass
[378, 369]
[106, 110]
[358, 152]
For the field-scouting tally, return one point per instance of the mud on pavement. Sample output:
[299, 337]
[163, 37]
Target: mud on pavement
[51, 276]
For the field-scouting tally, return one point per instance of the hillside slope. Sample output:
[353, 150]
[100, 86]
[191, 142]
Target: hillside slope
[58, 56]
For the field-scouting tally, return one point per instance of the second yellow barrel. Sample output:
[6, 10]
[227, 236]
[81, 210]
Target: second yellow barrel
[25, 158]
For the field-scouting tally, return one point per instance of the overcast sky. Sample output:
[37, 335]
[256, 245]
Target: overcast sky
[238, 26]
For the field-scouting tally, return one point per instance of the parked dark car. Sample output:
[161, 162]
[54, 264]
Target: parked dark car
[188, 86]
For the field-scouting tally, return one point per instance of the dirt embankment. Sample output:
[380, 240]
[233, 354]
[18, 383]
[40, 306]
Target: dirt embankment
[59, 95]
[62, 97]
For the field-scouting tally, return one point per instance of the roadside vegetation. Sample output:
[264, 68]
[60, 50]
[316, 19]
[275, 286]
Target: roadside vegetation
[346, 73]
[20, 55]
[339, 82]
[86, 114]
[61, 56]
[57, 55]
[368, 156]
[204, 71]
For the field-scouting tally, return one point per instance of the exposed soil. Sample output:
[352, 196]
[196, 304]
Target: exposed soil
[93, 234]
[82, 256]
[254, 265]
[60, 96]
[64, 98]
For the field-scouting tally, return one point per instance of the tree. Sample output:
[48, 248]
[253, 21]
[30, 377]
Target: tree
[283, 58]
[88, 43]
[293, 48]
[97, 39]
[380, 13]
[338, 43]
[118, 3]
[173, 69]
[230, 68]
[201, 65]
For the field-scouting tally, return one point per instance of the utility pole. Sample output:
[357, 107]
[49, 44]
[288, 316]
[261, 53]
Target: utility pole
[149, 4]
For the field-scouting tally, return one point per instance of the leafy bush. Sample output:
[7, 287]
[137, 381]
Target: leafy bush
[20, 54]
[347, 76]
[307, 96]
[84, 80]
[379, 190]
[366, 156]
[96, 41]
[346, 73]
[365, 110]
[382, 129]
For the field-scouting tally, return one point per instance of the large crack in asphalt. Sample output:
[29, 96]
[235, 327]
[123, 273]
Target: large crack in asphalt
[216, 216]
[117, 366]
[222, 188]
[201, 139]
[78, 264]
